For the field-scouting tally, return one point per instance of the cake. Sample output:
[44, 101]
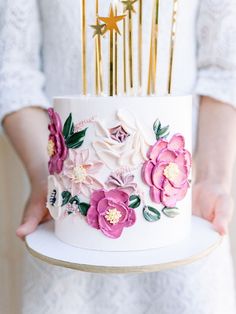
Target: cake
[120, 171]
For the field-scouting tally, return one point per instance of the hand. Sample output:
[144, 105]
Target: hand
[35, 211]
[212, 202]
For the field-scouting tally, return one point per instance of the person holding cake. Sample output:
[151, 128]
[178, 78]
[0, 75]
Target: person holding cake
[39, 59]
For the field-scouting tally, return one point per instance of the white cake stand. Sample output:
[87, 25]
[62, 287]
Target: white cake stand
[44, 245]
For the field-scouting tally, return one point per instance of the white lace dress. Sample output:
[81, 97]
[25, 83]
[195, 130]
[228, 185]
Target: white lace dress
[40, 58]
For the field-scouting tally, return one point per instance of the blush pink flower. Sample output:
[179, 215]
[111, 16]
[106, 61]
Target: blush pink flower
[167, 171]
[110, 212]
[119, 134]
[122, 181]
[79, 173]
[57, 149]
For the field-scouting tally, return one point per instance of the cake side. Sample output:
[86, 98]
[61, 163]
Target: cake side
[120, 171]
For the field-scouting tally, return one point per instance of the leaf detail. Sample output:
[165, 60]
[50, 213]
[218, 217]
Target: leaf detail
[76, 140]
[159, 131]
[171, 212]
[151, 214]
[83, 208]
[65, 197]
[75, 200]
[134, 201]
[68, 128]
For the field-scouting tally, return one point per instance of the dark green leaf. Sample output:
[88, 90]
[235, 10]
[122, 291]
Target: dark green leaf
[65, 197]
[134, 201]
[83, 208]
[163, 132]
[75, 200]
[68, 128]
[151, 214]
[76, 140]
[171, 212]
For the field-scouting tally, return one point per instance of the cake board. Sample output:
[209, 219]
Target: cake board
[44, 245]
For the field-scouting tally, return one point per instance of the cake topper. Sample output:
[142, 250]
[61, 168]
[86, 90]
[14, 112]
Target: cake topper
[84, 46]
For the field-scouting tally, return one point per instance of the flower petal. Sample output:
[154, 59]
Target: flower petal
[147, 172]
[155, 150]
[177, 142]
[117, 196]
[155, 195]
[167, 155]
[92, 217]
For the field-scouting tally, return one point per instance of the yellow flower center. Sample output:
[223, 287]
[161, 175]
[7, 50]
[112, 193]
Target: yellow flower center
[51, 148]
[80, 173]
[171, 171]
[113, 215]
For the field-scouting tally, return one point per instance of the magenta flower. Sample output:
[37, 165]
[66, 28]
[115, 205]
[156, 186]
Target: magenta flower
[110, 212]
[79, 173]
[119, 134]
[122, 181]
[57, 149]
[167, 171]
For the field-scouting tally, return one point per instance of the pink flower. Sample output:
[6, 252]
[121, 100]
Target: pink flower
[122, 181]
[79, 173]
[109, 212]
[167, 171]
[57, 149]
[119, 134]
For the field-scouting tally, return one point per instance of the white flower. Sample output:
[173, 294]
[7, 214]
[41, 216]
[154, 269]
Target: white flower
[131, 152]
[54, 200]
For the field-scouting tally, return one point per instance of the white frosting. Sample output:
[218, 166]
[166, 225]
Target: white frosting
[137, 113]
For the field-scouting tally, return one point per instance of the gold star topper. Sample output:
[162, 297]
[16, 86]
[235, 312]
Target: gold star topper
[111, 21]
[129, 5]
[98, 29]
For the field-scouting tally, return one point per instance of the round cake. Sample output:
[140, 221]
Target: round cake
[120, 171]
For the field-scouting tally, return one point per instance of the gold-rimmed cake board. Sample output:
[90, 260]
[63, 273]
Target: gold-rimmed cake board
[202, 240]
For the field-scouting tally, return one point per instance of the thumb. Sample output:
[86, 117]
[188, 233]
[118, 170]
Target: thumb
[34, 214]
[223, 214]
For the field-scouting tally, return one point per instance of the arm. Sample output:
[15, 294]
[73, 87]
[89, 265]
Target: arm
[215, 156]
[27, 130]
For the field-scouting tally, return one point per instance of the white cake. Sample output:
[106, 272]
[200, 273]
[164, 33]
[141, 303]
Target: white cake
[120, 171]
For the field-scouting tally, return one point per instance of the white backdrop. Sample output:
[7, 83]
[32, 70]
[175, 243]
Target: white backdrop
[13, 193]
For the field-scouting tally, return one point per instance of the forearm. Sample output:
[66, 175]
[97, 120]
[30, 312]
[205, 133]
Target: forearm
[27, 130]
[216, 149]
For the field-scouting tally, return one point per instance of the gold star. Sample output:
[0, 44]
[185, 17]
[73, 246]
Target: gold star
[98, 29]
[111, 21]
[129, 5]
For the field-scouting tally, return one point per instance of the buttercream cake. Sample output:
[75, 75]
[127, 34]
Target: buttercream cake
[120, 171]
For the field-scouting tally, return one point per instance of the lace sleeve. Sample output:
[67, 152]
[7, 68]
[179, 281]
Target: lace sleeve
[216, 29]
[21, 81]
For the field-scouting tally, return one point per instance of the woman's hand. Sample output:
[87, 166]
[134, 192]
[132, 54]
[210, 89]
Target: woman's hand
[213, 202]
[214, 163]
[35, 210]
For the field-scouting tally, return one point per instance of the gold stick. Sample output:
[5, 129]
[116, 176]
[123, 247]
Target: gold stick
[96, 54]
[150, 69]
[116, 58]
[84, 50]
[172, 45]
[140, 44]
[130, 50]
[124, 56]
[155, 42]
[111, 66]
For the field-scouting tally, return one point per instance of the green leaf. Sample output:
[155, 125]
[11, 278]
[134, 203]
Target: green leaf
[75, 200]
[68, 128]
[65, 197]
[156, 126]
[134, 201]
[76, 140]
[171, 212]
[151, 214]
[83, 208]
[163, 132]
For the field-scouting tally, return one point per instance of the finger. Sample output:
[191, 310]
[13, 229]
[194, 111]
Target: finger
[223, 214]
[32, 217]
[202, 205]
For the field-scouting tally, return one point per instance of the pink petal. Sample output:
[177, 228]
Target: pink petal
[102, 206]
[94, 167]
[177, 142]
[96, 197]
[113, 232]
[92, 217]
[85, 190]
[155, 150]
[155, 195]
[117, 196]
[188, 159]
[94, 183]
[131, 219]
[147, 172]
[157, 175]
[167, 155]
[84, 155]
